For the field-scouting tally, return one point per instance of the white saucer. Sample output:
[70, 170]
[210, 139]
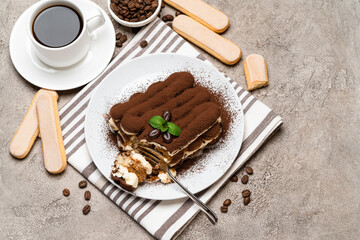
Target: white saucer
[44, 76]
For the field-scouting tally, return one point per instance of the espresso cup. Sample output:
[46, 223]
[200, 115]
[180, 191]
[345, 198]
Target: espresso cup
[73, 52]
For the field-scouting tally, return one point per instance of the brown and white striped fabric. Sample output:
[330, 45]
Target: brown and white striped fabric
[162, 219]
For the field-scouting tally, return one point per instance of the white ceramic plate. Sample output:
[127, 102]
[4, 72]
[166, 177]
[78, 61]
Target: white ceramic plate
[36, 72]
[136, 76]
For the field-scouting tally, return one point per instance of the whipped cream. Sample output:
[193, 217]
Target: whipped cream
[165, 177]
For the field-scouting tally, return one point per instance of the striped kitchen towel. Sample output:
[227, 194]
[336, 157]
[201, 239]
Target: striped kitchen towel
[162, 219]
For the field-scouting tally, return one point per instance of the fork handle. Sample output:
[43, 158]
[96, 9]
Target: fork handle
[209, 213]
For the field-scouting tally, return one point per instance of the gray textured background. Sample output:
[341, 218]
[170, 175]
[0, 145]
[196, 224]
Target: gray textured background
[306, 182]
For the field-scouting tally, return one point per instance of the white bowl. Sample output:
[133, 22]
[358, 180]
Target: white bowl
[135, 24]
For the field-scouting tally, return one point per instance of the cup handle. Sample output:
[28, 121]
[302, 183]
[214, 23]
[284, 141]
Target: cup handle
[94, 20]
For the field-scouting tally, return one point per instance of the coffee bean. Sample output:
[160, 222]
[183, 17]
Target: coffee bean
[118, 36]
[167, 18]
[66, 192]
[178, 13]
[245, 179]
[86, 209]
[167, 137]
[246, 193]
[154, 134]
[249, 170]
[227, 202]
[149, 14]
[169, 24]
[234, 178]
[82, 184]
[247, 200]
[162, 4]
[143, 43]
[87, 195]
[118, 44]
[123, 38]
[167, 116]
[131, 5]
[224, 209]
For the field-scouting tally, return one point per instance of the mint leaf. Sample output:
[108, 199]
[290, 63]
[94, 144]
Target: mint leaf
[164, 128]
[157, 122]
[173, 129]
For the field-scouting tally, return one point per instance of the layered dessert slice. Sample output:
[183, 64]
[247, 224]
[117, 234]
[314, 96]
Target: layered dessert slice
[175, 117]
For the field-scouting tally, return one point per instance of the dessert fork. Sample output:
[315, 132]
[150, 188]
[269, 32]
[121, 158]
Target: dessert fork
[156, 158]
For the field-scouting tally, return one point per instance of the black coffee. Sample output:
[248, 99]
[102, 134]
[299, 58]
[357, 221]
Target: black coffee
[57, 26]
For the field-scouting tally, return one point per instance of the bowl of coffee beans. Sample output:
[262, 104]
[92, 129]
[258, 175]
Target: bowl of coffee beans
[134, 13]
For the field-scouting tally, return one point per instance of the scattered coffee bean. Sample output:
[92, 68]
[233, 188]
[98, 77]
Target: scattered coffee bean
[167, 116]
[234, 178]
[87, 195]
[224, 209]
[178, 13]
[167, 18]
[82, 184]
[66, 192]
[118, 44]
[154, 133]
[118, 36]
[246, 193]
[169, 24]
[249, 170]
[245, 179]
[227, 202]
[247, 200]
[86, 209]
[123, 38]
[167, 137]
[143, 43]
[162, 4]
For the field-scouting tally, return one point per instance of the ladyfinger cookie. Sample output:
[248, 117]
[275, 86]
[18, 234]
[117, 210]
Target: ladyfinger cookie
[202, 12]
[50, 133]
[28, 130]
[255, 72]
[218, 46]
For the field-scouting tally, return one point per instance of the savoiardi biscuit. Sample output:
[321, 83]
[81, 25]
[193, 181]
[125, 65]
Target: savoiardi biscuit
[202, 12]
[50, 132]
[255, 72]
[28, 130]
[218, 46]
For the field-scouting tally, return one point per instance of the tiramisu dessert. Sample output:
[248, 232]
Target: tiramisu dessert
[176, 117]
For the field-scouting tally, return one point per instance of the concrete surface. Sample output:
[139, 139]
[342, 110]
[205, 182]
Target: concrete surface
[306, 182]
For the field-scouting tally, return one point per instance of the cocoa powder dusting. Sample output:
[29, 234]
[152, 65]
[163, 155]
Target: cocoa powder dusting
[111, 137]
[225, 121]
[225, 114]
